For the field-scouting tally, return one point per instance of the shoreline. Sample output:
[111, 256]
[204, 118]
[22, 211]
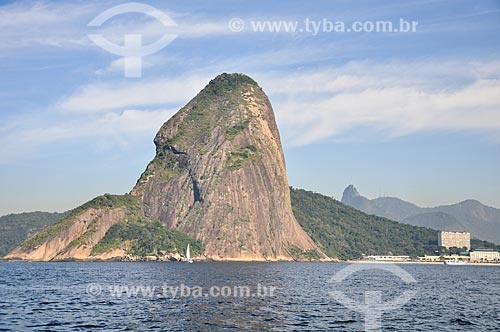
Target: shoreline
[247, 261]
[416, 262]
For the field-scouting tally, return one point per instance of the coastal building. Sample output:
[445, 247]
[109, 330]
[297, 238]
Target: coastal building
[454, 239]
[426, 258]
[388, 258]
[484, 255]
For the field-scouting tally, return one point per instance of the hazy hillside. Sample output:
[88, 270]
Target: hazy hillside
[438, 220]
[15, 228]
[346, 232]
[482, 221]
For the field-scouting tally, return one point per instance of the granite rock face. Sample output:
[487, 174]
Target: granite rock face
[219, 175]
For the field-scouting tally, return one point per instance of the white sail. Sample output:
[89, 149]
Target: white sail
[188, 254]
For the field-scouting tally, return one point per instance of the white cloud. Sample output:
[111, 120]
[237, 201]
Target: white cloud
[27, 24]
[64, 24]
[133, 121]
[156, 60]
[389, 98]
[118, 65]
[116, 129]
[104, 96]
[394, 98]
[30, 14]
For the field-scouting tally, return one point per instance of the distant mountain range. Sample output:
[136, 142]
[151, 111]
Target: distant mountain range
[470, 215]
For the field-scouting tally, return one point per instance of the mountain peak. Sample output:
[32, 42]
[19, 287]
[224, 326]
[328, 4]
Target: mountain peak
[471, 202]
[232, 79]
[350, 192]
[229, 103]
[228, 85]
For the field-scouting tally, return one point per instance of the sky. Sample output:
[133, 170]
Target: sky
[414, 114]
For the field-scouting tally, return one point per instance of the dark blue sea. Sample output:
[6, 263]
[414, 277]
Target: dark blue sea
[155, 296]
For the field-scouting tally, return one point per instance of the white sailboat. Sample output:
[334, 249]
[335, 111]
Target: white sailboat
[188, 255]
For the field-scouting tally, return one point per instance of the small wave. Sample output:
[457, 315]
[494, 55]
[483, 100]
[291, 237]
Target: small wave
[347, 321]
[461, 321]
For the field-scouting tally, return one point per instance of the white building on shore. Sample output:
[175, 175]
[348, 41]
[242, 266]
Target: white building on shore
[484, 255]
[454, 239]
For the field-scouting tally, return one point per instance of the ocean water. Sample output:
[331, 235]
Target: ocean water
[153, 296]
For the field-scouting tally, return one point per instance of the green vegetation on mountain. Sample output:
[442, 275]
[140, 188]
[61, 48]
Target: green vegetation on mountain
[16, 228]
[300, 254]
[347, 233]
[105, 201]
[108, 201]
[233, 131]
[238, 159]
[142, 238]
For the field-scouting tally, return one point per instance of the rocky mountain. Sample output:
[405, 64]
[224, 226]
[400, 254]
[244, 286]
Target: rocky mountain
[470, 215]
[15, 228]
[218, 176]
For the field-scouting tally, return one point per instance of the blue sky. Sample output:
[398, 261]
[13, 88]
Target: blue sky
[412, 115]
